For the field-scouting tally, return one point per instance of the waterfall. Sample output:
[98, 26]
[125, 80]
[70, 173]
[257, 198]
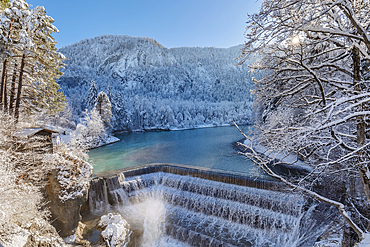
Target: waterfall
[165, 208]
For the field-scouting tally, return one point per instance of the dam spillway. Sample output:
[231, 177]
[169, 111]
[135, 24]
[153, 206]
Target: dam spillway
[190, 206]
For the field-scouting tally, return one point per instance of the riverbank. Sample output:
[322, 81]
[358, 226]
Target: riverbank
[66, 137]
[287, 165]
[177, 129]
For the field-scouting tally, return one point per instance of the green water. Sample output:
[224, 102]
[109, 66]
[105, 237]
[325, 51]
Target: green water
[207, 147]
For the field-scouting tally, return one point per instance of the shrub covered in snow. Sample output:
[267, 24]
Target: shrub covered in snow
[24, 170]
[20, 203]
[22, 173]
[91, 132]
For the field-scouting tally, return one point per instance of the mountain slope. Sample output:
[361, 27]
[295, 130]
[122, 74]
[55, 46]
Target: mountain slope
[151, 86]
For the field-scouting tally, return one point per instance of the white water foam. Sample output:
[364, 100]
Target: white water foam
[173, 210]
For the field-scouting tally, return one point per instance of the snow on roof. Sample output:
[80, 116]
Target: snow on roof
[33, 131]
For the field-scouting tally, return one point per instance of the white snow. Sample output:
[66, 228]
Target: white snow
[368, 173]
[73, 175]
[290, 159]
[70, 239]
[365, 242]
[151, 87]
[18, 238]
[90, 142]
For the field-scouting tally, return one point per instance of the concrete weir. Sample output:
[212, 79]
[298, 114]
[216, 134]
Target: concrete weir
[198, 206]
[194, 171]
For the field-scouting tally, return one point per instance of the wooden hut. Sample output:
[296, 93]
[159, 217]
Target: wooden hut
[45, 134]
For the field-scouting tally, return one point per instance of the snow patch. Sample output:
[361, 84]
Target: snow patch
[290, 159]
[19, 237]
[365, 242]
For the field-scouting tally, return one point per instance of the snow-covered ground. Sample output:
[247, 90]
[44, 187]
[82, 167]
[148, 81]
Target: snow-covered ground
[91, 143]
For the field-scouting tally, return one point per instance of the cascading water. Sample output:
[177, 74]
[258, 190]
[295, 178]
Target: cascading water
[165, 209]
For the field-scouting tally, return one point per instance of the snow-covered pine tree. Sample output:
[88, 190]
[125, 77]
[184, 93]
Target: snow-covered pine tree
[27, 42]
[13, 24]
[46, 64]
[315, 96]
[90, 132]
[91, 95]
[158, 75]
[104, 108]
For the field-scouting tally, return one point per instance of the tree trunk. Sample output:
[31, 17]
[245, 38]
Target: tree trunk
[361, 125]
[2, 83]
[5, 99]
[19, 91]
[12, 91]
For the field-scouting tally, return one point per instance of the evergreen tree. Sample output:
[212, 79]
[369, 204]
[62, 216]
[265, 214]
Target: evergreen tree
[47, 63]
[104, 108]
[27, 41]
[3, 5]
[91, 96]
[115, 104]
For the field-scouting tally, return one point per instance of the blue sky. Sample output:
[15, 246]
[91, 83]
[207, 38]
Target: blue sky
[173, 23]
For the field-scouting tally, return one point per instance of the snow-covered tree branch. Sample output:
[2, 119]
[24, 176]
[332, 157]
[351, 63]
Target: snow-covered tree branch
[315, 96]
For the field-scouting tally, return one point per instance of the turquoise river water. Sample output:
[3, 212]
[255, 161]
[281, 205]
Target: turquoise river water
[206, 147]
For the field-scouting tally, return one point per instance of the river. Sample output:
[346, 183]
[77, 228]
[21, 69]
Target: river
[206, 147]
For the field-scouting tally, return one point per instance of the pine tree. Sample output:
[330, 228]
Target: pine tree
[3, 5]
[46, 64]
[91, 96]
[104, 108]
[114, 102]
[27, 40]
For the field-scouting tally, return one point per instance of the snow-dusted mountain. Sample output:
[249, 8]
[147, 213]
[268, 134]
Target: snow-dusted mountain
[151, 86]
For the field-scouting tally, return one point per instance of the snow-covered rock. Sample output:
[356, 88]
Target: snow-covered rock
[115, 230]
[67, 190]
[290, 163]
[77, 237]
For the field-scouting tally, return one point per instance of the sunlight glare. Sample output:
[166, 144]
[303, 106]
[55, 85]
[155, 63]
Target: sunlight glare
[295, 40]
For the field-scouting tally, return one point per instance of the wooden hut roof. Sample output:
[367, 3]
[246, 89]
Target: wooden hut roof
[33, 131]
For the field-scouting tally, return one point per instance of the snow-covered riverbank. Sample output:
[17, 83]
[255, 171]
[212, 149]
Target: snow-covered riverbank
[89, 142]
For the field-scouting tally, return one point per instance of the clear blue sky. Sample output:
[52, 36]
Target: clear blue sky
[173, 23]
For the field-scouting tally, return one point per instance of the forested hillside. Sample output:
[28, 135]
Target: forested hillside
[150, 86]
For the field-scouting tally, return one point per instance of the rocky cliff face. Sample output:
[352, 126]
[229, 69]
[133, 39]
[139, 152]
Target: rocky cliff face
[66, 192]
[65, 215]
